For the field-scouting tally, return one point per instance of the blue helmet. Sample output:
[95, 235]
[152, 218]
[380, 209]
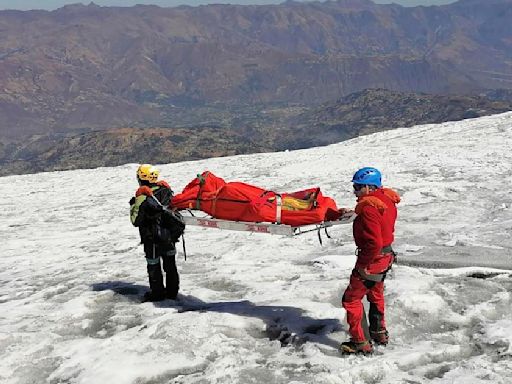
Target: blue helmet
[368, 176]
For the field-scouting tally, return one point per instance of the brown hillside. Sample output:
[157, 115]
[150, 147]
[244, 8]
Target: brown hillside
[90, 67]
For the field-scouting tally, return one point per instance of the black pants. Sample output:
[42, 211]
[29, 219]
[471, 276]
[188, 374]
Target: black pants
[155, 252]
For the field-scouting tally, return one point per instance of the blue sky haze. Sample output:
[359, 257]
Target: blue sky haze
[53, 4]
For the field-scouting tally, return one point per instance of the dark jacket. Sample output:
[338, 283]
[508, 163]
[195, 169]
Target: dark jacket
[146, 213]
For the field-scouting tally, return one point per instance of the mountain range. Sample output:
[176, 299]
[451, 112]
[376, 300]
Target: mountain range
[83, 68]
[243, 131]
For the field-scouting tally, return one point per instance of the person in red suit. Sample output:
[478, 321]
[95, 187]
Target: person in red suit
[373, 231]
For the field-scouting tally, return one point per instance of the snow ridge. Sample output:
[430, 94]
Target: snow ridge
[260, 308]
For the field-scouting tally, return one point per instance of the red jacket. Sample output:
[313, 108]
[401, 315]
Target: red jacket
[374, 229]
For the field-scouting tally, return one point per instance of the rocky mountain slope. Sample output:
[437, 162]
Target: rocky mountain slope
[83, 68]
[376, 110]
[259, 131]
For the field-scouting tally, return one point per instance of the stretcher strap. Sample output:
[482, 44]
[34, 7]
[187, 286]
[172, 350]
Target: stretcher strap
[202, 180]
[279, 206]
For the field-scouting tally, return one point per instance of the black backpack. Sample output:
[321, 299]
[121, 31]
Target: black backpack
[169, 225]
[172, 225]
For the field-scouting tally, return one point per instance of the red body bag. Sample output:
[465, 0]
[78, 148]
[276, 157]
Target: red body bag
[238, 201]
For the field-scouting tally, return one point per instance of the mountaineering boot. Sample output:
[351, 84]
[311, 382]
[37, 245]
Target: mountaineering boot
[151, 296]
[170, 294]
[349, 347]
[380, 337]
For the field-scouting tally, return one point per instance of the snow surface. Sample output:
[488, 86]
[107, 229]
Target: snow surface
[257, 308]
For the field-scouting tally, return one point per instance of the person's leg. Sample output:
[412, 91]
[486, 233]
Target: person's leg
[172, 278]
[352, 302]
[155, 277]
[378, 331]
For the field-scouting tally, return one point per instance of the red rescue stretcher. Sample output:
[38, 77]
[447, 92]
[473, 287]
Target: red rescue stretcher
[244, 207]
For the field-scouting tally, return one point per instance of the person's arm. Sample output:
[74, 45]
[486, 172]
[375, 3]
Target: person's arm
[143, 206]
[371, 235]
[136, 214]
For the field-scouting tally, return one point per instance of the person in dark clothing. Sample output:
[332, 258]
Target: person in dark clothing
[373, 231]
[146, 213]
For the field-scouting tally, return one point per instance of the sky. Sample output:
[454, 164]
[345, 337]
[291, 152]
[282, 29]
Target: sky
[53, 4]
[260, 308]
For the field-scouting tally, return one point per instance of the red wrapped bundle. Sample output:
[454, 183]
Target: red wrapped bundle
[238, 201]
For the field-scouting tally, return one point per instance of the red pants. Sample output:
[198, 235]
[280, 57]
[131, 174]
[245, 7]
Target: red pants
[352, 302]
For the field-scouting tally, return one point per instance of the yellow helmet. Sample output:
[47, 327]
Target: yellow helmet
[148, 173]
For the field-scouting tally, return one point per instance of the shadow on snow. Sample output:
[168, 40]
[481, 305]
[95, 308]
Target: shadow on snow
[287, 324]
[132, 292]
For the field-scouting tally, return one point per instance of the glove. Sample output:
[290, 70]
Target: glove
[345, 211]
[144, 190]
[132, 201]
